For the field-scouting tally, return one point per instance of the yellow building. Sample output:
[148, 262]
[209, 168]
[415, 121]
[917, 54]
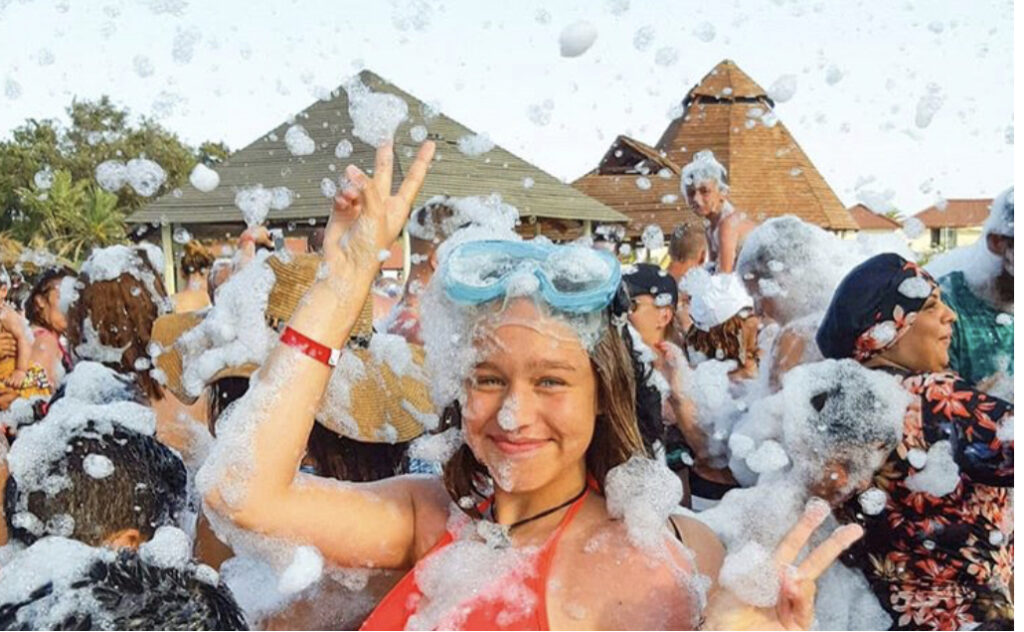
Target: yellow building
[956, 223]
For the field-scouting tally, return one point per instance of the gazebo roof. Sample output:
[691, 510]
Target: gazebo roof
[267, 161]
[768, 173]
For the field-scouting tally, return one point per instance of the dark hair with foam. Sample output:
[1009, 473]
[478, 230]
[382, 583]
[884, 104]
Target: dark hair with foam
[144, 490]
[126, 593]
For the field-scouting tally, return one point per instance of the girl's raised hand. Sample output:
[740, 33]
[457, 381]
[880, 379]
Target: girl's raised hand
[366, 217]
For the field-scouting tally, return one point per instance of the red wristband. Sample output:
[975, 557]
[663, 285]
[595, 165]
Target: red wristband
[319, 352]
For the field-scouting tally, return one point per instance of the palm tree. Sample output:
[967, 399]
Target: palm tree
[70, 218]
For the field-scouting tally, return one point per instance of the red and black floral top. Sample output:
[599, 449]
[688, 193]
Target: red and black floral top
[939, 555]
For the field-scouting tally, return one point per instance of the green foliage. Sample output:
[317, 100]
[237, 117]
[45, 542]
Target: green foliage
[65, 219]
[69, 218]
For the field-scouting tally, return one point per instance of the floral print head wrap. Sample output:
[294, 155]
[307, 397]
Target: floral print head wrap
[874, 305]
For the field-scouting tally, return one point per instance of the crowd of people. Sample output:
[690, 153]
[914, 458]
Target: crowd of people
[773, 428]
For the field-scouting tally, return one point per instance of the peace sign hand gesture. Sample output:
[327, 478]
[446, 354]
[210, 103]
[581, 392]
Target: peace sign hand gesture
[794, 609]
[366, 217]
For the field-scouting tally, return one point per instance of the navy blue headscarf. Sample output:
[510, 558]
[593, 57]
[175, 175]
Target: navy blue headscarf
[873, 306]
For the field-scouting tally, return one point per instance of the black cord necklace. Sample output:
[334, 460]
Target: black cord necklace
[546, 512]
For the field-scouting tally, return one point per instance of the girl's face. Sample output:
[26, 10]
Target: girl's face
[532, 400]
[54, 316]
[4, 290]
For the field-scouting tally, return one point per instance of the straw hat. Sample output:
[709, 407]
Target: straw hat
[384, 407]
[167, 330]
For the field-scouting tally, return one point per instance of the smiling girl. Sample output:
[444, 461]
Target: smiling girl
[516, 534]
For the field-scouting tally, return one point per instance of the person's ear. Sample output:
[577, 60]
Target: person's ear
[996, 244]
[124, 539]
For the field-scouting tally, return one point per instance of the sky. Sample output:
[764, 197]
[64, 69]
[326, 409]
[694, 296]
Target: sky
[231, 70]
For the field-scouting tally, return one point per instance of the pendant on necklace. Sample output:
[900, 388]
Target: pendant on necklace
[495, 535]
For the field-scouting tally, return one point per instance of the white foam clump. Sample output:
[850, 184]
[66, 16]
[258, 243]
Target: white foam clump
[43, 178]
[436, 448]
[782, 89]
[872, 501]
[940, 475]
[111, 175]
[475, 144]
[915, 287]
[95, 383]
[170, 547]
[643, 493]
[703, 168]
[97, 466]
[752, 575]
[305, 569]
[375, 115]
[145, 176]
[41, 444]
[62, 563]
[705, 31]
[507, 414]
[796, 263]
[343, 149]
[653, 238]
[255, 202]
[768, 457]
[928, 105]
[473, 566]
[1005, 430]
[913, 227]
[844, 601]
[577, 38]
[643, 38]
[203, 179]
[298, 141]
[862, 409]
[234, 331]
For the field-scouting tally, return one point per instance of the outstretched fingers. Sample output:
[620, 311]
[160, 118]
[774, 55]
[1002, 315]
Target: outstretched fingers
[416, 174]
[384, 168]
[814, 514]
[828, 551]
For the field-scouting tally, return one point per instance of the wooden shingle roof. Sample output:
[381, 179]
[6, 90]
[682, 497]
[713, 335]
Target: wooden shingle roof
[959, 213]
[768, 173]
[267, 161]
[869, 220]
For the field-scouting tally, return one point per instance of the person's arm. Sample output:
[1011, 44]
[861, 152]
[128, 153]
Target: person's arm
[683, 407]
[13, 322]
[728, 238]
[46, 354]
[373, 524]
[787, 353]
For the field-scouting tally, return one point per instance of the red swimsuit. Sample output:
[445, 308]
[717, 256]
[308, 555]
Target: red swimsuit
[394, 612]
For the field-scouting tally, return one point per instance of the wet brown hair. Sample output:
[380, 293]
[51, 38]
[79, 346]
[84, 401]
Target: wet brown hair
[122, 313]
[35, 302]
[196, 258]
[616, 432]
[687, 242]
[723, 342]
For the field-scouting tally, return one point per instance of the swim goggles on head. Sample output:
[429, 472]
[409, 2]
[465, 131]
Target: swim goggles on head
[570, 278]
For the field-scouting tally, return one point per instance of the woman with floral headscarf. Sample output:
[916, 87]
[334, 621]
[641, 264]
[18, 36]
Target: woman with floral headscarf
[939, 552]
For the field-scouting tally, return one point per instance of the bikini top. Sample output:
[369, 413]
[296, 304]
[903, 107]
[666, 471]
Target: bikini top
[479, 611]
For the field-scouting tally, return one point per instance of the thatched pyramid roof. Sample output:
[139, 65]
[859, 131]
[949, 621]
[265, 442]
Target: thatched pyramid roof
[267, 161]
[730, 114]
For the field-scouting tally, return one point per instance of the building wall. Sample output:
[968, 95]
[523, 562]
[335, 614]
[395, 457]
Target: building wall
[947, 239]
